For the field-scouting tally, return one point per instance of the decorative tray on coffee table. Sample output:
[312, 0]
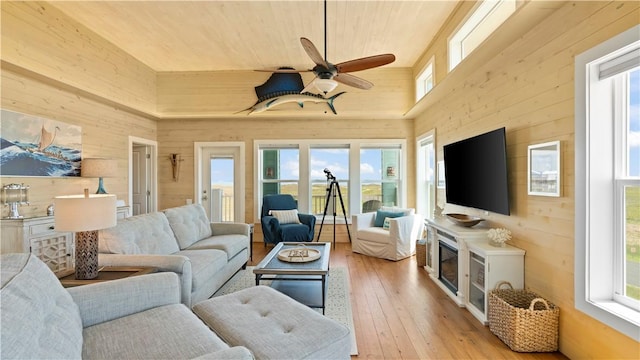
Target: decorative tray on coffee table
[299, 254]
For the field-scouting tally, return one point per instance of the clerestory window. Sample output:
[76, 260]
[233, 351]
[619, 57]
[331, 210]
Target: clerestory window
[482, 22]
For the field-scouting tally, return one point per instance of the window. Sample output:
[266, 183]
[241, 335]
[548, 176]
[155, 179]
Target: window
[379, 177]
[424, 82]
[335, 160]
[608, 182]
[426, 172]
[280, 172]
[483, 21]
[376, 167]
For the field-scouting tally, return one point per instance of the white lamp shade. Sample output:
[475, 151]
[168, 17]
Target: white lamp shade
[85, 213]
[325, 85]
[96, 167]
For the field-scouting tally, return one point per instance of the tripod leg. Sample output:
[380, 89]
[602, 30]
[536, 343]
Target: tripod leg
[344, 212]
[334, 212]
[326, 206]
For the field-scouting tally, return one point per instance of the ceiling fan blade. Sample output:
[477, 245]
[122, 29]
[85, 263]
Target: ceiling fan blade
[365, 63]
[282, 71]
[310, 86]
[313, 52]
[352, 80]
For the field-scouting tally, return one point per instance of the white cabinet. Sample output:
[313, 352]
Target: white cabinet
[430, 238]
[449, 255]
[488, 265]
[38, 236]
[466, 267]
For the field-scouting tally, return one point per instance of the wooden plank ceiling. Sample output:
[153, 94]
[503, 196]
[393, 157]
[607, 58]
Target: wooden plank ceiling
[244, 35]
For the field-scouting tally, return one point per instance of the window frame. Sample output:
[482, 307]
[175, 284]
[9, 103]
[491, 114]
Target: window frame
[426, 195]
[484, 12]
[427, 72]
[304, 186]
[597, 214]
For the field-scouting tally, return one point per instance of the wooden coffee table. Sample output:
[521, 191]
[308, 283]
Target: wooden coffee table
[105, 274]
[305, 282]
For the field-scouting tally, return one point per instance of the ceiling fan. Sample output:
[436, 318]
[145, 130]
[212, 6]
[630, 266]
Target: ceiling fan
[328, 75]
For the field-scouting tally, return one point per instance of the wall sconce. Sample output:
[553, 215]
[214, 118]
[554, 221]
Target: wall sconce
[14, 195]
[100, 168]
[175, 165]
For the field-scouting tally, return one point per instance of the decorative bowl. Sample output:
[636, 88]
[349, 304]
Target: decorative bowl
[463, 219]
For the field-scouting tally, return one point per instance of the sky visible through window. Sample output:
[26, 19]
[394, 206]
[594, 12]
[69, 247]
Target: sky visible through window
[332, 159]
[633, 140]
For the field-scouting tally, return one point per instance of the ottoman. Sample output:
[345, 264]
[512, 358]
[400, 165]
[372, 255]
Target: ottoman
[274, 326]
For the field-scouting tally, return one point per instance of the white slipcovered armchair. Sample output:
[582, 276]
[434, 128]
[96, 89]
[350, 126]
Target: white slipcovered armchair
[396, 242]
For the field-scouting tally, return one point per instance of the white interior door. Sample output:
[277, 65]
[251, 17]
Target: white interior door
[222, 181]
[141, 191]
[143, 179]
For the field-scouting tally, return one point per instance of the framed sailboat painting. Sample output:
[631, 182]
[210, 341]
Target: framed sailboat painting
[35, 146]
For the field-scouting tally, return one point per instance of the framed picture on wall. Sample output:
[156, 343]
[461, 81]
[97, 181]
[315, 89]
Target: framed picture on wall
[35, 146]
[543, 169]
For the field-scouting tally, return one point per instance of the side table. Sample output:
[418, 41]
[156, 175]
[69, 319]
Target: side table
[105, 274]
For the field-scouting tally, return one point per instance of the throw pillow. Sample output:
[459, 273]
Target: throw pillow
[381, 215]
[286, 216]
[386, 224]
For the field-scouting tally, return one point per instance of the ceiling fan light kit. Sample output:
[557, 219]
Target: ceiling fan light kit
[325, 85]
[327, 77]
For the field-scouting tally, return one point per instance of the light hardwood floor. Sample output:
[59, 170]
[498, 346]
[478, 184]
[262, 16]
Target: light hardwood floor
[399, 313]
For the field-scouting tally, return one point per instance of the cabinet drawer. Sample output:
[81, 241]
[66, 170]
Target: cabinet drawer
[43, 228]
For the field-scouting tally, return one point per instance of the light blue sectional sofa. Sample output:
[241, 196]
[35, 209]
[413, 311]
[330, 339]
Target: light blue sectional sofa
[141, 317]
[182, 240]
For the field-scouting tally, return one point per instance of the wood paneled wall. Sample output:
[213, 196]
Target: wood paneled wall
[178, 136]
[222, 94]
[522, 78]
[105, 133]
[39, 38]
[527, 86]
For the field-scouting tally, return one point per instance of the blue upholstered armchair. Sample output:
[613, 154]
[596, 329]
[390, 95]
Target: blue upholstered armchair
[281, 222]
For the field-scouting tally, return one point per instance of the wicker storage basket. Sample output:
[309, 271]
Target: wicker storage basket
[421, 252]
[523, 320]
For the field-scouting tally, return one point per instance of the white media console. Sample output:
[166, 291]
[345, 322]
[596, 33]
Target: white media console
[463, 264]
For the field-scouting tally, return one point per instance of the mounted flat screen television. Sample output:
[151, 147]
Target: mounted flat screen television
[476, 172]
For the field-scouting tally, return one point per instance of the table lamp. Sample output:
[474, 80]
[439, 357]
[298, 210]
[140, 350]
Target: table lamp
[85, 215]
[100, 168]
[14, 195]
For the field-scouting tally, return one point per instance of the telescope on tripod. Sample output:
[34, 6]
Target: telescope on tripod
[333, 189]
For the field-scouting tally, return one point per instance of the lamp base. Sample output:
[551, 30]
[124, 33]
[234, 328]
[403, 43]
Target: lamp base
[86, 255]
[101, 189]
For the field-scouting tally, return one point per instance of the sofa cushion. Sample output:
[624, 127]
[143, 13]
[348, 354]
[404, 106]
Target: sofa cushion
[189, 224]
[39, 318]
[231, 244]
[140, 234]
[167, 332]
[374, 234]
[205, 264]
[381, 215]
[274, 326]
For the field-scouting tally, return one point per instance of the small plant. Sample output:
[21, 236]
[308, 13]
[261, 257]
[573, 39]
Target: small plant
[499, 236]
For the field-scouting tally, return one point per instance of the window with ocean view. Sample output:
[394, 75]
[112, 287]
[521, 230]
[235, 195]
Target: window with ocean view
[370, 173]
